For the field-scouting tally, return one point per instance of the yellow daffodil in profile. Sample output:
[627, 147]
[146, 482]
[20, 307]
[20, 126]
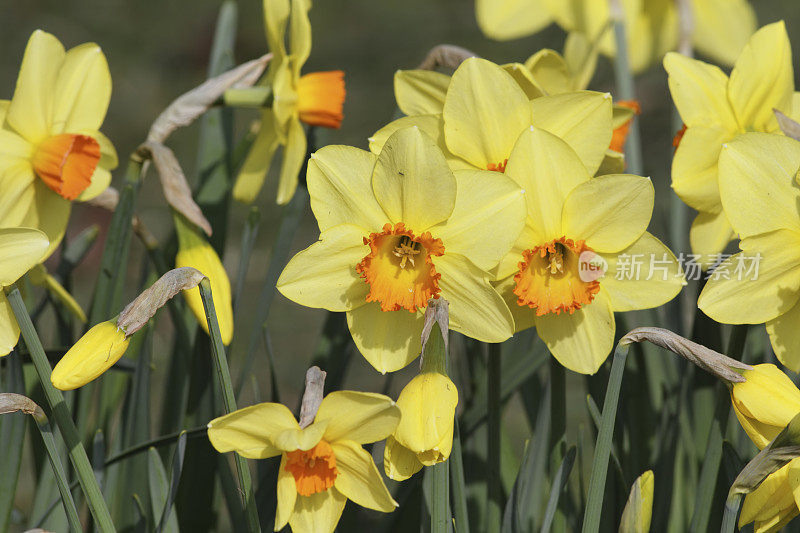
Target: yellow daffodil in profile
[761, 284]
[584, 252]
[721, 27]
[398, 229]
[764, 405]
[315, 99]
[195, 251]
[51, 149]
[485, 110]
[323, 464]
[20, 250]
[716, 108]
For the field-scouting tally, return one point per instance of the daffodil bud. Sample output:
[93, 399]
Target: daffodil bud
[639, 510]
[93, 354]
[765, 403]
[194, 251]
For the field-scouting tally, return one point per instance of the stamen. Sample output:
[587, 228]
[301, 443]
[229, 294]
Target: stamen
[498, 167]
[314, 470]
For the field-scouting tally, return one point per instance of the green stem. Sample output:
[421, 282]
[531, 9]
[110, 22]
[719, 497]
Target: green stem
[61, 415]
[459, 486]
[626, 88]
[440, 495]
[602, 450]
[494, 485]
[732, 505]
[229, 401]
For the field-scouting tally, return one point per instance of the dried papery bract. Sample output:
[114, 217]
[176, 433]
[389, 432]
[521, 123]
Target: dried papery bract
[445, 55]
[788, 126]
[709, 360]
[312, 397]
[12, 403]
[108, 200]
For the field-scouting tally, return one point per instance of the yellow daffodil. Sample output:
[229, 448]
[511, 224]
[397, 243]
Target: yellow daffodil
[421, 92]
[322, 465]
[94, 353]
[424, 436]
[51, 149]
[761, 284]
[485, 110]
[396, 230]
[764, 405]
[195, 251]
[584, 252]
[720, 27]
[315, 99]
[20, 250]
[716, 108]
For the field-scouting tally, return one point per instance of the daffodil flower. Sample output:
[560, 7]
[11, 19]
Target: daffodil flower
[322, 465]
[94, 353]
[195, 251]
[575, 262]
[485, 110]
[51, 149]
[757, 173]
[396, 230]
[721, 27]
[315, 99]
[715, 109]
[20, 250]
[765, 404]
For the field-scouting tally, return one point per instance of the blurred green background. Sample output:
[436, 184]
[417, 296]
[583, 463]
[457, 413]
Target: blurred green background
[158, 49]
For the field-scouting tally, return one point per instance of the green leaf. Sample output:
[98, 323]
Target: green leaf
[159, 492]
[168, 517]
[559, 484]
[12, 438]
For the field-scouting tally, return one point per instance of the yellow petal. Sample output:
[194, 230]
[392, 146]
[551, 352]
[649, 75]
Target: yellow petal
[276, 16]
[784, 335]
[476, 310]
[610, 212]
[324, 276]
[195, 251]
[580, 54]
[658, 280]
[358, 478]
[550, 71]
[287, 495]
[524, 79]
[547, 169]
[318, 513]
[709, 235]
[747, 298]
[252, 431]
[39, 276]
[300, 34]
[761, 434]
[428, 404]
[389, 340]
[509, 265]
[296, 438]
[699, 91]
[412, 181]
[580, 341]
[9, 330]
[582, 119]
[524, 317]
[294, 154]
[613, 163]
[399, 462]
[93, 354]
[763, 79]
[340, 186]
[254, 170]
[722, 28]
[30, 110]
[21, 249]
[16, 182]
[488, 216]
[511, 19]
[756, 180]
[101, 179]
[768, 396]
[82, 90]
[13, 147]
[49, 213]
[694, 167]
[484, 112]
[770, 498]
[358, 417]
[420, 92]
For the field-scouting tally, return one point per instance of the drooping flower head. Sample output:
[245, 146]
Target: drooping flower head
[720, 27]
[20, 250]
[315, 99]
[584, 252]
[322, 465]
[398, 229]
[51, 149]
[760, 284]
[716, 108]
